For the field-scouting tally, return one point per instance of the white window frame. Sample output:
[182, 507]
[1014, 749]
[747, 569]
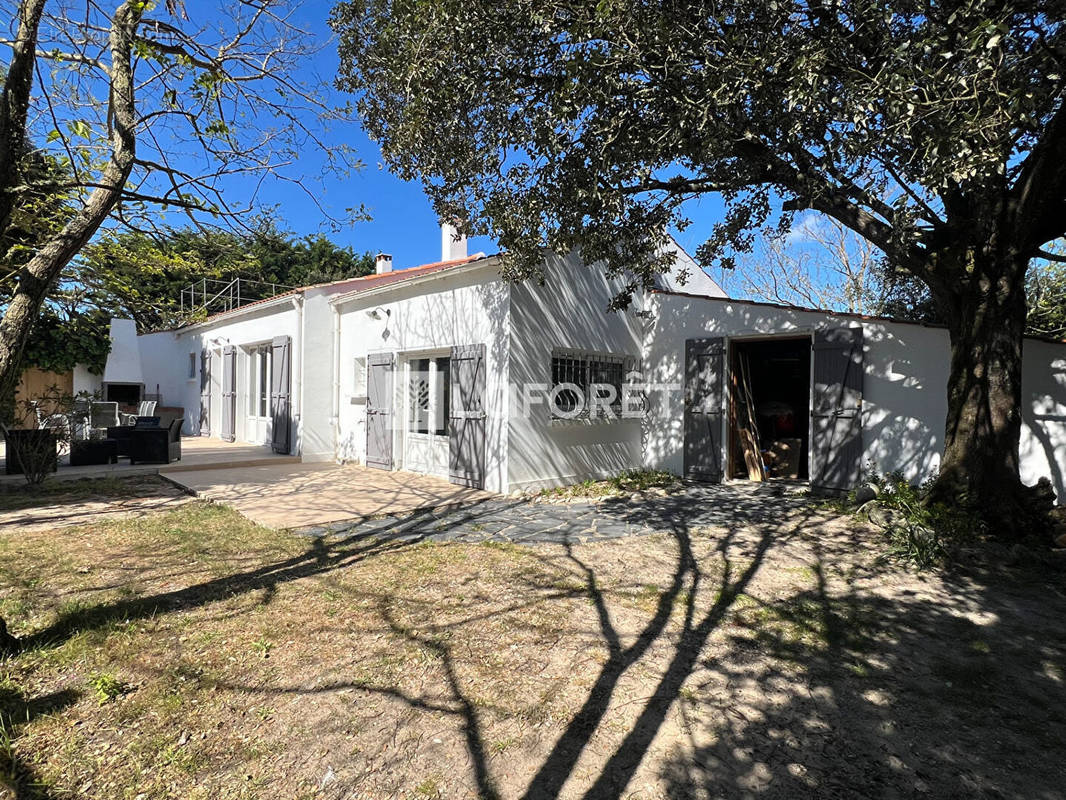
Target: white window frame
[260, 360]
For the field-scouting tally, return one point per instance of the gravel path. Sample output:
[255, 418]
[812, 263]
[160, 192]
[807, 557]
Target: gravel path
[522, 521]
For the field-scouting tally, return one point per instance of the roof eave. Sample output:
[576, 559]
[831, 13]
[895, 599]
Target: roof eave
[357, 294]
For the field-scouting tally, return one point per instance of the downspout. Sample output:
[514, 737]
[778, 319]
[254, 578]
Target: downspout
[336, 404]
[298, 372]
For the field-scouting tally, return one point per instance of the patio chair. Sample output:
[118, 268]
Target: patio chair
[79, 419]
[103, 414]
[146, 408]
[156, 445]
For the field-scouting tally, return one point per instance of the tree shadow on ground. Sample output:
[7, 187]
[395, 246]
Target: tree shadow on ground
[16, 711]
[876, 696]
[833, 689]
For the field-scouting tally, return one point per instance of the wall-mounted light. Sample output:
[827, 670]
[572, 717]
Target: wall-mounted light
[376, 313]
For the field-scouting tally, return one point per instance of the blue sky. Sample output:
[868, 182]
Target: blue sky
[403, 221]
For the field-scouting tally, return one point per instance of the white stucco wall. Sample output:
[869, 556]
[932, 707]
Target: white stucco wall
[461, 307]
[85, 381]
[570, 312]
[316, 352]
[165, 366]
[687, 276]
[123, 360]
[904, 395]
[1043, 444]
[165, 359]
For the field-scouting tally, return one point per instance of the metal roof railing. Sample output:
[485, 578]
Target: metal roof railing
[214, 296]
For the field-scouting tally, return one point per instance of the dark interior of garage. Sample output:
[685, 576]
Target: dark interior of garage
[770, 409]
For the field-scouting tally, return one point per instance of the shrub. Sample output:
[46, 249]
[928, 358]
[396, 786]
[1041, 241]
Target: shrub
[919, 532]
[107, 687]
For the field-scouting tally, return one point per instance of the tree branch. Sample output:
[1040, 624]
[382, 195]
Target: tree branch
[1049, 256]
[15, 103]
[1040, 189]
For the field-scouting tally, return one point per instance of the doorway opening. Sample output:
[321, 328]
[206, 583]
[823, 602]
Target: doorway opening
[769, 409]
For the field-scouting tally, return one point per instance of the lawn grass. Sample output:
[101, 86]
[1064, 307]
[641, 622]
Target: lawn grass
[190, 653]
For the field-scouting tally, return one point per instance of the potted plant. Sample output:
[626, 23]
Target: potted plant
[42, 434]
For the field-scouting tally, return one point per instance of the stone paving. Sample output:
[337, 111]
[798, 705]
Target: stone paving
[520, 520]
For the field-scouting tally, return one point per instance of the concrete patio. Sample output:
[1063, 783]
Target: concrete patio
[285, 495]
[197, 454]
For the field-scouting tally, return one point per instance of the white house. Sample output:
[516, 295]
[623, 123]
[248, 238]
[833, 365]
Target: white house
[446, 369]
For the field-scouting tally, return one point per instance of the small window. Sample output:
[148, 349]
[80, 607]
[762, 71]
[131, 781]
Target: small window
[442, 379]
[259, 360]
[264, 380]
[605, 381]
[569, 385]
[359, 377]
[192, 366]
[583, 381]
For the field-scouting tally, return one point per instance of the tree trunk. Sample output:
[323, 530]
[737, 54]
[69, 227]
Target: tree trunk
[41, 272]
[986, 321]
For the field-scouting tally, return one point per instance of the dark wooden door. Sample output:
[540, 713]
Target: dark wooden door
[380, 372]
[704, 409]
[836, 409]
[466, 429]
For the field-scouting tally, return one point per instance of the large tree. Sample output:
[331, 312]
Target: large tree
[110, 114]
[589, 125]
[142, 108]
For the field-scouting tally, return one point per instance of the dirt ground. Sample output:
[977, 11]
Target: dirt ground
[58, 504]
[188, 653]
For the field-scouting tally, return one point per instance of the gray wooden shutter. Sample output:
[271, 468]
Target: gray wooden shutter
[836, 409]
[229, 392]
[466, 429]
[704, 408]
[280, 394]
[205, 392]
[379, 395]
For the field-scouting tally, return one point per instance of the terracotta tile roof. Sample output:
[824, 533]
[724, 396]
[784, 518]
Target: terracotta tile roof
[385, 278]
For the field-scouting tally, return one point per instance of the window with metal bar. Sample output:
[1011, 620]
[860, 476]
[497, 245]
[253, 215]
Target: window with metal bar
[582, 380]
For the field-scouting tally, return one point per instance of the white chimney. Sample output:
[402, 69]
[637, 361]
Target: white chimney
[383, 263]
[124, 360]
[452, 245]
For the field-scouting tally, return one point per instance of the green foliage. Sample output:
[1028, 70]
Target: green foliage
[1046, 290]
[59, 341]
[141, 277]
[903, 296]
[920, 533]
[624, 483]
[107, 687]
[42, 205]
[590, 125]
